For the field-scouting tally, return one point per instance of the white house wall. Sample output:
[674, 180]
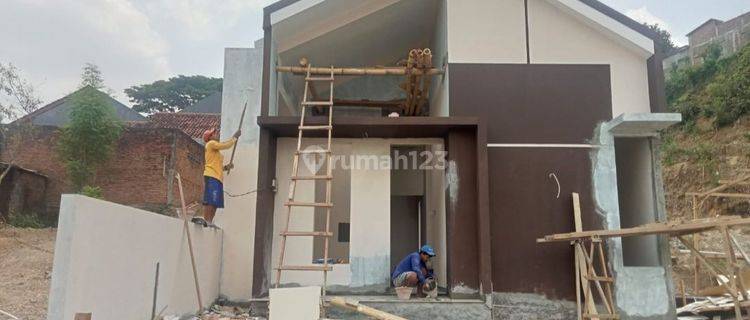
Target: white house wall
[481, 31]
[559, 38]
[242, 76]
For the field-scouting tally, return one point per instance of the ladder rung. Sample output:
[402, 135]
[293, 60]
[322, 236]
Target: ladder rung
[307, 233]
[315, 127]
[305, 268]
[603, 279]
[309, 204]
[317, 103]
[312, 178]
[601, 316]
[319, 79]
[312, 151]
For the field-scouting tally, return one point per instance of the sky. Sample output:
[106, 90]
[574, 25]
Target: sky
[141, 41]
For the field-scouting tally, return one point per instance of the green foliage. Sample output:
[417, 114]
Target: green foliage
[27, 220]
[717, 88]
[88, 140]
[172, 95]
[664, 43]
[92, 191]
[730, 92]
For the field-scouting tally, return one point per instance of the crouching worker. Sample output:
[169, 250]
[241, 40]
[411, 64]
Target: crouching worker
[213, 173]
[412, 271]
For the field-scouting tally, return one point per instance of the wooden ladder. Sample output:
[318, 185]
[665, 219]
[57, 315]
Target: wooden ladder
[295, 177]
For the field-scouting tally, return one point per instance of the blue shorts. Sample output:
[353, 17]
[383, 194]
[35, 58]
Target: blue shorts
[213, 192]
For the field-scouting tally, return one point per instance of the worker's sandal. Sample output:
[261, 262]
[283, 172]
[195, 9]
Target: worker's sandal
[200, 221]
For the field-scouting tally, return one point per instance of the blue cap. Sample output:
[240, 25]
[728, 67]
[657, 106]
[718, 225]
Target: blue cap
[428, 250]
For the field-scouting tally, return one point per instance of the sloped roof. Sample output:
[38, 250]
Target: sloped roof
[193, 124]
[56, 112]
[715, 21]
[209, 104]
[598, 6]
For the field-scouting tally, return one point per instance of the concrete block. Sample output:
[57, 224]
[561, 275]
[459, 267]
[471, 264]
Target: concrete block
[301, 303]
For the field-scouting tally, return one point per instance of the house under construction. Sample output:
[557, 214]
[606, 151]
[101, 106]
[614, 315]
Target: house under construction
[376, 126]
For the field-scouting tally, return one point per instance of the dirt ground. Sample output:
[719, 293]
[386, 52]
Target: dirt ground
[25, 269]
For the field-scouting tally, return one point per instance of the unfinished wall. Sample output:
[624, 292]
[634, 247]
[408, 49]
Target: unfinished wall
[635, 191]
[641, 292]
[106, 256]
[558, 37]
[242, 76]
[299, 250]
[369, 203]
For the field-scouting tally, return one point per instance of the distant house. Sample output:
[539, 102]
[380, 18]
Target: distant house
[209, 104]
[56, 112]
[193, 124]
[731, 36]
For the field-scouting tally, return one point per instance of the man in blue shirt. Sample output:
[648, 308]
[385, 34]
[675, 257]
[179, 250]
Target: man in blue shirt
[412, 270]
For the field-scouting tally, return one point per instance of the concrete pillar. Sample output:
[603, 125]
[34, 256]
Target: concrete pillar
[242, 76]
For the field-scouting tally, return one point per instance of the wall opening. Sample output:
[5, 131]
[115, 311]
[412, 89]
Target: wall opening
[636, 197]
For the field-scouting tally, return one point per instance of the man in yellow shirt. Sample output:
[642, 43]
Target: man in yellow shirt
[213, 174]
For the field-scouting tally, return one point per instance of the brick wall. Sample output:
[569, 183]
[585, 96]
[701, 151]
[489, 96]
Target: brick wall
[22, 191]
[136, 175]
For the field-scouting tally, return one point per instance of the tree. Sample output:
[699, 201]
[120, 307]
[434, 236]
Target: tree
[92, 77]
[172, 95]
[17, 96]
[664, 43]
[88, 140]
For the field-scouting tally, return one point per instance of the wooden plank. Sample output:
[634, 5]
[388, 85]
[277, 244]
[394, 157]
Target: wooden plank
[672, 228]
[736, 275]
[588, 298]
[577, 212]
[305, 268]
[721, 195]
[306, 234]
[82, 316]
[308, 204]
[368, 311]
[709, 266]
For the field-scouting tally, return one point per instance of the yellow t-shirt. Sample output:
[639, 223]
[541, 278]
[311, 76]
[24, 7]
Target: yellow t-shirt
[214, 160]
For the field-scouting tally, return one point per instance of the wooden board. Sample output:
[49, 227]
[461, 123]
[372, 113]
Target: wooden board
[671, 228]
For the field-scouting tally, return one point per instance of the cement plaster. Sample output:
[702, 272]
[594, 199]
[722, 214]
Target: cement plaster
[641, 292]
[242, 76]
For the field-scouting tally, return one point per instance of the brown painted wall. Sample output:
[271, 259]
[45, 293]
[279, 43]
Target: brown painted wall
[533, 104]
[462, 210]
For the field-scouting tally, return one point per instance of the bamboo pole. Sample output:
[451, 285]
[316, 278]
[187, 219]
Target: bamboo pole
[392, 71]
[190, 242]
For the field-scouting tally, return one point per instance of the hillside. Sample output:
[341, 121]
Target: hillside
[711, 146]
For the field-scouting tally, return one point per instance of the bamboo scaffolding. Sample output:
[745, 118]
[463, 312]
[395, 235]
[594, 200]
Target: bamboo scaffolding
[367, 71]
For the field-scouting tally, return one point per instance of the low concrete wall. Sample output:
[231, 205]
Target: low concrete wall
[106, 256]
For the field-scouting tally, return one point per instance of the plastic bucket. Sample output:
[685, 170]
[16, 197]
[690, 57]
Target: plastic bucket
[403, 293]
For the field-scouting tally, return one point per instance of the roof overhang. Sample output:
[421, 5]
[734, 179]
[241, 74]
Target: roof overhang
[607, 25]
